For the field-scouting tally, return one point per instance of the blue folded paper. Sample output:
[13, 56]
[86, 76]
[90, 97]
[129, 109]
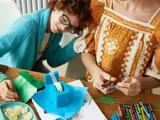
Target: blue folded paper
[45, 98]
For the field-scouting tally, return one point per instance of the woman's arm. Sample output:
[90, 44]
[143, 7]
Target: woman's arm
[99, 76]
[133, 85]
[89, 62]
[149, 82]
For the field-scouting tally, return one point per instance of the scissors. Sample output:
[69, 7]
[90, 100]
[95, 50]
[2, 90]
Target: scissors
[110, 84]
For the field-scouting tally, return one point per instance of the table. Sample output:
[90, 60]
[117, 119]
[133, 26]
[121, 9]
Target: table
[106, 108]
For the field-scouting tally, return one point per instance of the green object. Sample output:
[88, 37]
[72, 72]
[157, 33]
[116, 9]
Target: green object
[90, 100]
[128, 114]
[3, 77]
[27, 86]
[108, 99]
[158, 104]
[33, 81]
[139, 110]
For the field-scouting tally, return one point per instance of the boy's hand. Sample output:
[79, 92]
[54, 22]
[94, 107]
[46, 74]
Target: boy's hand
[6, 92]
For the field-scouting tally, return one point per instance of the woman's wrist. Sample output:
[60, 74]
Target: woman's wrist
[148, 82]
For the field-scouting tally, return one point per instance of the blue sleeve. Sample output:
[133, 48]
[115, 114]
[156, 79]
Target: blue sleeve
[15, 35]
[3, 77]
[62, 55]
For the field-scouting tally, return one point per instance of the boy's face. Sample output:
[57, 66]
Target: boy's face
[62, 21]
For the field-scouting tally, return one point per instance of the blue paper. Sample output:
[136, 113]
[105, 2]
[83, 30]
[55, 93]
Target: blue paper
[77, 99]
[50, 78]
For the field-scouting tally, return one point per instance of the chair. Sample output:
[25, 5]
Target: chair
[9, 13]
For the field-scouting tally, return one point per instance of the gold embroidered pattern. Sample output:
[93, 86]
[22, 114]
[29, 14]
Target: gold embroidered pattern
[126, 22]
[137, 57]
[127, 54]
[149, 53]
[98, 34]
[89, 41]
[156, 19]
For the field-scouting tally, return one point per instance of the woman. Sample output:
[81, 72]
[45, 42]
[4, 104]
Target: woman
[22, 45]
[125, 45]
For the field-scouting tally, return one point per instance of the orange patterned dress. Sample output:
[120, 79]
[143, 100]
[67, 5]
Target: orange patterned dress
[122, 46]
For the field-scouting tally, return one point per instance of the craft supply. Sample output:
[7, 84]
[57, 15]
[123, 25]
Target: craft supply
[128, 114]
[58, 86]
[136, 109]
[122, 113]
[134, 112]
[115, 117]
[152, 112]
[145, 110]
[143, 116]
[116, 86]
[108, 99]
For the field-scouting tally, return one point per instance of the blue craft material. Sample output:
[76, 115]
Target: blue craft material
[58, 97]
[115, 117]
[150, 112]
[73, 98]
[116, 86]
[55, 96]
[148, 115]
[51, 77]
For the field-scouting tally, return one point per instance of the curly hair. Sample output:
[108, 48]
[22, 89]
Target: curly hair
[76, 7]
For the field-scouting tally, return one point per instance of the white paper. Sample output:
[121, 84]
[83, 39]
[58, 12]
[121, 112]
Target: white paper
[89, 110]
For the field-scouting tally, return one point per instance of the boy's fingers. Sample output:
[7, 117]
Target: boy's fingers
[9, 92]
[7, 99]
[10, 84]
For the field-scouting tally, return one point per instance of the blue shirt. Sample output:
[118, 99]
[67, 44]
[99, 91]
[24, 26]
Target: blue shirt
[20, 45]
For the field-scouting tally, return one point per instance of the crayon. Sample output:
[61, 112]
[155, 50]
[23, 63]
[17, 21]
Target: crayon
[149, 110]
[143, 116]
[131, 113]
[136, 109]
[125, 113]
[145, 110]
[122, 113]
[134, 116]
[152, 112]
[128, 113]
[135, 113]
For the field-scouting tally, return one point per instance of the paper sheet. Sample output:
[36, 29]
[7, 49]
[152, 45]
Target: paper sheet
[89, 110]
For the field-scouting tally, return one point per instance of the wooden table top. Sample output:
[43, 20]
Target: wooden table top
[106, 108]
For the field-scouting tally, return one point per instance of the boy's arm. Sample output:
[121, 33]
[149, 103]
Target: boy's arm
[3, 77]
[62, 55]
[15, 35]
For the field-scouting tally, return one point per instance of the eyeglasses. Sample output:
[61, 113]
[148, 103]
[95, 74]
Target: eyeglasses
[65, 21]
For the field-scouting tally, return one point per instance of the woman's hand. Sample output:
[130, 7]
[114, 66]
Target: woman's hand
[6, 92]
[130, 86]
[100, 79]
